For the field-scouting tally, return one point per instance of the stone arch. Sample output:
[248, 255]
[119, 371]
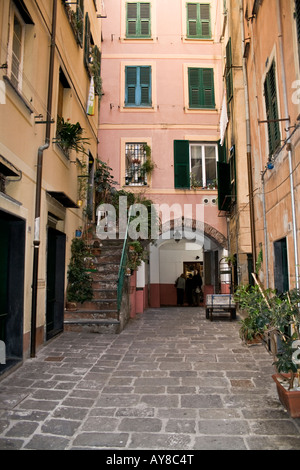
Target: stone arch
[196, 226]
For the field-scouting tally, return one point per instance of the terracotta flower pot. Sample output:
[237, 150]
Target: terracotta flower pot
[289, 399]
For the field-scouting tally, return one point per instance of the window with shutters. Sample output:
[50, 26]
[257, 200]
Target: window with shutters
[195, 165]
[272, 109]
[201, 88]
[198, 20]
[138, 86]
[138, 20]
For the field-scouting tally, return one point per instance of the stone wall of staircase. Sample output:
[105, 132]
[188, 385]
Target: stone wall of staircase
[101, 315]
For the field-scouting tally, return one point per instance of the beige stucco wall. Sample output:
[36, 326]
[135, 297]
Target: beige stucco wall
[21, 134]
[265, 47]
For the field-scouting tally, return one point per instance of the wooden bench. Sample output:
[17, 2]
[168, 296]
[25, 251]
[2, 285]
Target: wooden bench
[220, 303]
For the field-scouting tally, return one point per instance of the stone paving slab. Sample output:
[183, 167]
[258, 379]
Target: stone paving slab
[171, 380]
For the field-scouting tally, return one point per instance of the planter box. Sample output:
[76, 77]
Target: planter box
[289, 399]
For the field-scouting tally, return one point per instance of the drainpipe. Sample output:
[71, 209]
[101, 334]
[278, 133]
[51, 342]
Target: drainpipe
[248, 138]
[265, 231]
[42, 148]
[286, 110]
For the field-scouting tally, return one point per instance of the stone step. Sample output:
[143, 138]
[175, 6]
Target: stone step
[101, 326]
[107, 267]
[100, 284]
[99, 304]
[105, 293]
[104, 276]
[108, 257]
[91, 315]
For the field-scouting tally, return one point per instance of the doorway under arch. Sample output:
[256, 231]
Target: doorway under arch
[181, 250]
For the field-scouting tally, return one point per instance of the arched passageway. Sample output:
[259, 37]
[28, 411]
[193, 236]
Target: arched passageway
[182, 249]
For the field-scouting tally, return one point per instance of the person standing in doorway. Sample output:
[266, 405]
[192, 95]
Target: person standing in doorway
[189, 290]
[197, 288]
[180, 286]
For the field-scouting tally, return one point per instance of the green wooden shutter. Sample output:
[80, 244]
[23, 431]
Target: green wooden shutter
[131, 82]
[224, 187]
[194, 88]
[144, 19]
[79, 18]
[201, 88]
[138, 22]
[87, 40]
[272, 109]
[192, 20]
[222, 152]
[228, 72]
[181, 164]
[198, 20]
[208, 88]
[96, 70]
[297, 18]
[145, 84]
[205, 30]
[131, 19]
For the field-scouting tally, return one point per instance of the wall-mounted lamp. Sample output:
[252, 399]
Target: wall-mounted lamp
[177, 236]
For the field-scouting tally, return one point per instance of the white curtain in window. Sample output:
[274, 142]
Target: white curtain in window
[223, 120]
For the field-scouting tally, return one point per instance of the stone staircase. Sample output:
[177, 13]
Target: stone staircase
[100, 315]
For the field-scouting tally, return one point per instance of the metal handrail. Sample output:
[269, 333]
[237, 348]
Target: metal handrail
[123, 262]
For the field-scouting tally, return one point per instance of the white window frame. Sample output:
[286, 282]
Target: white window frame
[203, 145]
[14, 13]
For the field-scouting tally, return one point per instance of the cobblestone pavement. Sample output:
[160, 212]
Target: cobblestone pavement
[171, 380]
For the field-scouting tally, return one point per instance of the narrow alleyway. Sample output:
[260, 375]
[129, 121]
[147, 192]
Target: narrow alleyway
[171, 380]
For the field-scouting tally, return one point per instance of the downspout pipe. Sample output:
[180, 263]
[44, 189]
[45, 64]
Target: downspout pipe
[39, 171]
[286, 110]
[248, 141]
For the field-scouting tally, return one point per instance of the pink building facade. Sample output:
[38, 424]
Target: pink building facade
[161, 74]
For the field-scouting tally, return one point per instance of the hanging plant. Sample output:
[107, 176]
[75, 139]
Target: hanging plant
[70, 136]
[148, 165]
[95, 70]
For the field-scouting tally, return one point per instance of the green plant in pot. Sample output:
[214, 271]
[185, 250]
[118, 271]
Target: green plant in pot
[79, 281]
[252, 301]
[148, 165]
[136, 255]
[277, 316]
[70, 136]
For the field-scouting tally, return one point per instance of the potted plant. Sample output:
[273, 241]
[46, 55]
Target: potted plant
[230, 260]
[278, 315]
[286, 319]
[251, 300]
[136, 254]
[70, 136]
[79, 287]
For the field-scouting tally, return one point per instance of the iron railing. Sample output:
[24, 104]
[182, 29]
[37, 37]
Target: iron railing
[123, 262]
